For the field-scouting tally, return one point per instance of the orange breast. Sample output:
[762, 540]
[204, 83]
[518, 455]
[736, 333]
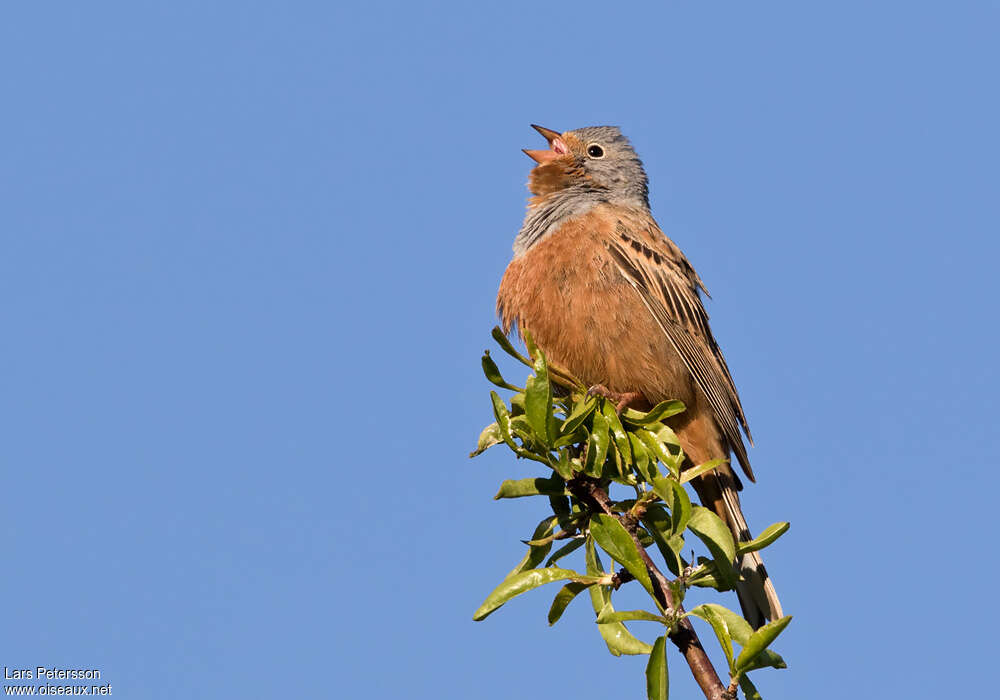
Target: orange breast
[567, 292]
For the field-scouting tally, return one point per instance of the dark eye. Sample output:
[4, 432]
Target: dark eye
[595, 151]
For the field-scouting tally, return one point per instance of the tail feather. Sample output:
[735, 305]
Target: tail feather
[756, 593]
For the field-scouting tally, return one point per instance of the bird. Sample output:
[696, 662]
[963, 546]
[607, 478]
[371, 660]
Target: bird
[606, 295]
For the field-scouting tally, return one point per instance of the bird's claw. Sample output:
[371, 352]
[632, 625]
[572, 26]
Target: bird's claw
[621, 400]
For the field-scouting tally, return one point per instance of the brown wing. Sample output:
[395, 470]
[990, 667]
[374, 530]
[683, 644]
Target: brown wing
[668, 286]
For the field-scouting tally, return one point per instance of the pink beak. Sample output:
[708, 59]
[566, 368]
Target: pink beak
[557, 147]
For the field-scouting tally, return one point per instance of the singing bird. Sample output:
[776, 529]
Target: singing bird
[606, 295]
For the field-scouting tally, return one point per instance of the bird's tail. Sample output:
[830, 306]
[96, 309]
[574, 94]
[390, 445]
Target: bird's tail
[758, 599]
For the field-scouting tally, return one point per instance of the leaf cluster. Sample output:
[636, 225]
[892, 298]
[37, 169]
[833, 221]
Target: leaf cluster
[585, 447]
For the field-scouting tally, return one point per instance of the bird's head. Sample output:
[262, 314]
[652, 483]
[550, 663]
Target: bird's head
[594, 157]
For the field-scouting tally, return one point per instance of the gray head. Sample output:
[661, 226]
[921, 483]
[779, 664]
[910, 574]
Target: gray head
[594, 157]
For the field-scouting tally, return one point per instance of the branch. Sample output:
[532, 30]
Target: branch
[590, 491]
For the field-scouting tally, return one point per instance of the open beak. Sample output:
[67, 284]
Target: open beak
[557, 147]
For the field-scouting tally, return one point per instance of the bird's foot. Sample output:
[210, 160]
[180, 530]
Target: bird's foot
[621, 400]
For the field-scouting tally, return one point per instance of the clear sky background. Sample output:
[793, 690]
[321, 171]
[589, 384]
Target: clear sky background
[249, 261]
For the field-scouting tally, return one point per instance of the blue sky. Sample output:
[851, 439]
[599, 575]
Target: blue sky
[250, 255]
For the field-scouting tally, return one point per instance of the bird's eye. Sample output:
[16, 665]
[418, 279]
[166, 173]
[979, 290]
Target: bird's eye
[595, 151]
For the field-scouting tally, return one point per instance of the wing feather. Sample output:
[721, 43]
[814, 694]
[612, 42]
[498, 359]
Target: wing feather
[668, 287]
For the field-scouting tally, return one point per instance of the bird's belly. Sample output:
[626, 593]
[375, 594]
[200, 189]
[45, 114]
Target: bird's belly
[567, 292]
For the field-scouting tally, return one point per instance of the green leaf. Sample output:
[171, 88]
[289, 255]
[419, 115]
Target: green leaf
[519, 488]
[564, 465]
[759, 641]
[487, 439]
[597, 446]
[538, 401]
[615, 540]
[560, 506]
[523, 582]
[645, 466]
[504, 426]
[767, 659]
[536, 553]
[706, 575]
[616, 635]
[529, 342]
[581, 411]
[656, 449]
[563, 598]
[566, 549]
[681, 509]
[662, 410]
[768, 536]
[678, 590]
[577, 437]
[721, 629]
[719, 540]
[503, 418]
[492, 373]
[504, 343]
[708, 466]
[520, 427]
[606, 615]
[657, 522]
[739, 629]
[748, 688]
[671, 447]
[617, 431]
[657, 680]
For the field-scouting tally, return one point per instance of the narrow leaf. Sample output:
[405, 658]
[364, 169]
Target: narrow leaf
[717, 537]
[529, 343]
[749, 690]
[617, 430]
[597, 446]
[708, 466]
[518, 488]
[681, 509]
[657, 522]
[662, 410]
[492, 373]
[657, 680]
[504, 427]
[616, 635]
[720, 628]
[565, 465]
[768, 536]
[759, 641]
[644, 465]
[767, 659]
[607, 615]
[657, 450]
[563, 598]
[615, 540]
[560, 506]
[672, 447]
[503, 418]
[536, 553]
[538, 400]
[521, 583]
[504, 343]
[739, 629]
[707, 576]
[487, 439]
[565, 550]
[581, 411]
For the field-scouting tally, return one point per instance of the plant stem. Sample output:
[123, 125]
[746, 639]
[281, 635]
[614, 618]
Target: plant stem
[590, 492]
